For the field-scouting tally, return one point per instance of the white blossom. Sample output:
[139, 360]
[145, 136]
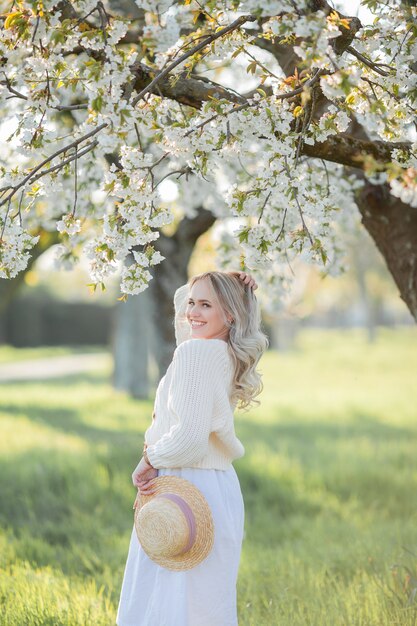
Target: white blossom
[244, 163]
[406, 189]
[69, 225]
[15, 248]
[135, 279]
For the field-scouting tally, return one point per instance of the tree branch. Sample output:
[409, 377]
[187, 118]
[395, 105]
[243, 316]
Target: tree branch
[21, 96]
[286, 95]
[374, 66]
[30, 176]
[220, 33]
[349, 150]
[344, 149]
[61, 164]
[191, 91]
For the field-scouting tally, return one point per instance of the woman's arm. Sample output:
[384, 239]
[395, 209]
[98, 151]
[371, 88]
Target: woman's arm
[199, 367]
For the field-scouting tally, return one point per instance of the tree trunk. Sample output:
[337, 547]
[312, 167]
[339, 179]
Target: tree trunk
[144, 327]
[284, 330]
[168, 276]
[131, 345]
[393, 226]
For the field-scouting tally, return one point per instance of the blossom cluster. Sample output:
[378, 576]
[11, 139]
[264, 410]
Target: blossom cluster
[87, 156]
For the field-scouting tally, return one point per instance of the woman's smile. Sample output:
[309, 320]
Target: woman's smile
[204, 314]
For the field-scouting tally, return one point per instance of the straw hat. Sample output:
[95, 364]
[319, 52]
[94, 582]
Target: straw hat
[174, 525]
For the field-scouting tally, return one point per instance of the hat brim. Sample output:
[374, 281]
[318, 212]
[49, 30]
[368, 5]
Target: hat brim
[204, 538]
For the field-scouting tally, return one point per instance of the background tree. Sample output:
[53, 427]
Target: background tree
[332, 100]
[144, 324]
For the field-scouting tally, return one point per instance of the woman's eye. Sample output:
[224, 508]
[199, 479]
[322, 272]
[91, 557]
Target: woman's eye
[190, 303]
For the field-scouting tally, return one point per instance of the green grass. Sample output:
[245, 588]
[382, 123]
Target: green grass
[8, 354]
[329, 481]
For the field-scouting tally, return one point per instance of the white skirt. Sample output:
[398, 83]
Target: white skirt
[204, 595]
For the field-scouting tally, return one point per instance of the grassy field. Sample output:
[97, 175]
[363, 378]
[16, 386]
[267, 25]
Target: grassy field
[329, 481]
[8, 354]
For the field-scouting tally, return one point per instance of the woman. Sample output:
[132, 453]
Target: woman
[192, 435]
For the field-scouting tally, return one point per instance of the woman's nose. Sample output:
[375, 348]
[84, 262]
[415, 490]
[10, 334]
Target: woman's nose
[194, 312]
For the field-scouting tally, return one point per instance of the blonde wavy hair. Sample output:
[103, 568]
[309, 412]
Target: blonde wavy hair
[246, 341]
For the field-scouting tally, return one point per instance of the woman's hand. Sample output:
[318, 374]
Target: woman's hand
[142, 475]
[248, 280]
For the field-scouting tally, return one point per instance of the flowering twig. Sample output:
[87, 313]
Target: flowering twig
[30, 176]
[227, 29]
[374, 66]
[57, 107]
[401, 44]
[397, 98]
[295, 193]
[5, 220]
[61, 164]
[185, 170]
[261, 65]
[75, 181]
[263, 206]
[282, 225]
[308, 116]
[280, 96]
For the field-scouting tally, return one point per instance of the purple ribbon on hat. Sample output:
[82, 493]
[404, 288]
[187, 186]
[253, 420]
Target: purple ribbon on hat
[188, 514]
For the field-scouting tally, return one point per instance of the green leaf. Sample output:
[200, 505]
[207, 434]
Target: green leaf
[97, 103]
[243, 235]
[251, 69]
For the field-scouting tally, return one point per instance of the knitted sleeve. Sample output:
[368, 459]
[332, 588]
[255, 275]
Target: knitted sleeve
[199, 367]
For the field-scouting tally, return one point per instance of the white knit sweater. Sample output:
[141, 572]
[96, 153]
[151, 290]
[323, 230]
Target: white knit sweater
[193, 415]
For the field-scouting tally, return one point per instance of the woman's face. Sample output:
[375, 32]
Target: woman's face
[204, 314]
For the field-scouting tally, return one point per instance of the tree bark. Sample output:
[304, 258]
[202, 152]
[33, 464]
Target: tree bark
[393, 226]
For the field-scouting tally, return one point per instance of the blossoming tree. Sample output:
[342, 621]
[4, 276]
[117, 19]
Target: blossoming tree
[98, 101]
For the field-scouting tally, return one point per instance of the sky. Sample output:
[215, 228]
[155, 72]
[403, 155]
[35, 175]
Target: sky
[353, 7]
